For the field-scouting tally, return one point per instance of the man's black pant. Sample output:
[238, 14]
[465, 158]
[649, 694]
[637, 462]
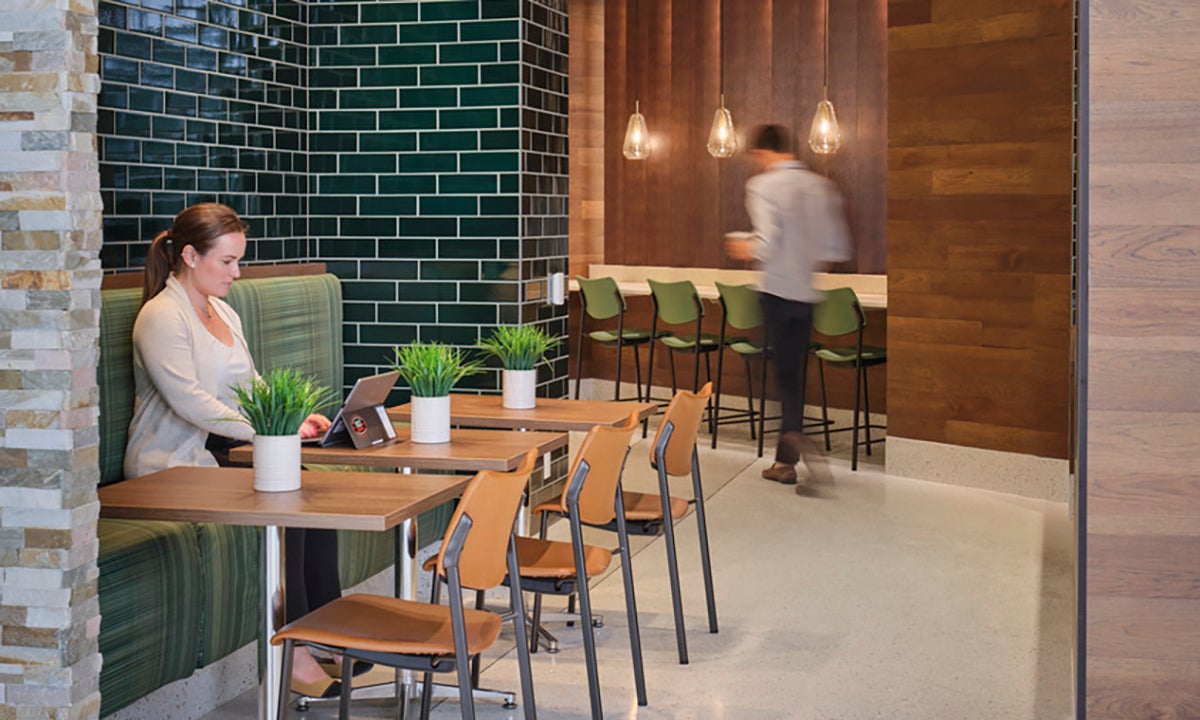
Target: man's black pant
[789, 329]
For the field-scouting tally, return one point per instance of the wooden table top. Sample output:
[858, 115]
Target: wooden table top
[487, 411]
[346, 501]
[468, 450]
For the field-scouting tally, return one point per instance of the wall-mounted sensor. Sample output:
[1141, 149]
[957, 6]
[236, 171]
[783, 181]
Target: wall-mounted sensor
[556, 288]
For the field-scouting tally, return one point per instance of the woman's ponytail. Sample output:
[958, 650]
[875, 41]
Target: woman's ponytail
[159, 264]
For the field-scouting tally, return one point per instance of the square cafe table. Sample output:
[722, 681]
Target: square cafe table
[563, 415]
[350, 501]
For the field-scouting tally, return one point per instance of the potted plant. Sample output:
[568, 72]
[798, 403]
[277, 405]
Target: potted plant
[520, 348]
[431, 369]
[275, 405]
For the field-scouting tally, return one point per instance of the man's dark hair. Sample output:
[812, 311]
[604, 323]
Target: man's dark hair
[775, 138]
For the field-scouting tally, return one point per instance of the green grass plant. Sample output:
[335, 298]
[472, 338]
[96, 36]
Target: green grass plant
[431, 369]
[519, 347]
[278, 402]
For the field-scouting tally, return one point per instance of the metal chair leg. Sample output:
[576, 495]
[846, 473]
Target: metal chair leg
[585, 612]
[714, 416]
[672, 566]
[824, 404]
[854, 430]
[635, 636]
[762, 407]
[285, 687]
[705, 559]
[347, 692]
[866, 410]
[620, 354]
[749, 394]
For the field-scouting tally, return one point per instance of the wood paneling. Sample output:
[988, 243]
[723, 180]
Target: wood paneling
[979, 212]
[1143, 336]
[673, 208]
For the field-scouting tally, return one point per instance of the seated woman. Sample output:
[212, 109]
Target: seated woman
[188, 352]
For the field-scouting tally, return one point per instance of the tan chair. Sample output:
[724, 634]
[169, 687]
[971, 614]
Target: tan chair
[674, 455]
[425, 637]
[592, 496]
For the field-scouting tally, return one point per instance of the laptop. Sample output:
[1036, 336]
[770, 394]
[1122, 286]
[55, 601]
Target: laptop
[362, 419]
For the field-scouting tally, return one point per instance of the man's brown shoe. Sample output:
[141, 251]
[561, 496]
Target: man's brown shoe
[781, 473]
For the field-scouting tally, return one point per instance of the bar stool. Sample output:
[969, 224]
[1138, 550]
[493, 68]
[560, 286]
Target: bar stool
[841, 314]
[602, 300]
[678, 303]
[740, 310]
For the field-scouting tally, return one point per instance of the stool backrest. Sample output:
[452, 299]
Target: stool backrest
[684, 415]
[491, 501]
[601, 297]
[741, 306]
[676, 303]
[839, 313]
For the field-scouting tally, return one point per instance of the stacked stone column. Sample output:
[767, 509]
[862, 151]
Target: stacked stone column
[49, 313]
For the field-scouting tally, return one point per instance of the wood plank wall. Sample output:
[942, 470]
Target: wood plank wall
[1143, 357]
[979, 215]
[674, 207]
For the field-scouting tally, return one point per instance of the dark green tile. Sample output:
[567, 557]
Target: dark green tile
[510, 183]
[391, 77]
[392, 141]
[490, 96]
[325, 99]
[500, 73]
[376, 355]
[368, 227]
[463, 314]
[510, 117]
[489, 227]
[346, 120]
[469, 53]
[132, 124]
[449, 270]
[449, 205]
[146, 99]
[408, 184]
[459, 248]
[375, 12]
[408, 120]
[462, 10]
[428, 227]
[345, 56]
[378, 99]
[333, 142]
[500, 140]
[388, 270]
[510, 51]
[408, 55]
[491, 30]
[500, 270]
[467, 118]
[385, 205]
[428, 32]
[500, 9]
[427, 291]
[346, 184]
[433, 141]
[367, 35]
[357, 312]
[408, 248]
[360, 290]
[332, 77]
[490, 161]
[345, 247]
[388, 335]
[449, 75]
[461, 184]
[428, 162]
[436, 98]
[507, 205]
[450, 334]
[360, 163]
[333, 13]
[408, 312]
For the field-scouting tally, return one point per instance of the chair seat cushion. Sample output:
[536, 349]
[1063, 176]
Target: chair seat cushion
[745, 348]
[647, 506]
[871, 354]
[630, 335]
[390, 625]
[554, 559]
[708, 341]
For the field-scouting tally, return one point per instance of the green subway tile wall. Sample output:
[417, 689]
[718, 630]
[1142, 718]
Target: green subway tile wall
[401, 143]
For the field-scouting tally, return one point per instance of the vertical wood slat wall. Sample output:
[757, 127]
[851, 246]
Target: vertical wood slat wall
[673, 208]
[979, 213]
[1142, 640]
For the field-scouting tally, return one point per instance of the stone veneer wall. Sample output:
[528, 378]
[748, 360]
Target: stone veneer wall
[49, 312]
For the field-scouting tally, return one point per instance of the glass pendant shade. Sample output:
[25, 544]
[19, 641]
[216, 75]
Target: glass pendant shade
[825, 137]
[722, 140]
[637, 137]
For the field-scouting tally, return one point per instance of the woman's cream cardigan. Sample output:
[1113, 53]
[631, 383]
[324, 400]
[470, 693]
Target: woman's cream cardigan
[176, 385]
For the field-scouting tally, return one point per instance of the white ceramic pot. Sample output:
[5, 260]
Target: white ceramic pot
[277, 463]
[520, 389]
[431, 419]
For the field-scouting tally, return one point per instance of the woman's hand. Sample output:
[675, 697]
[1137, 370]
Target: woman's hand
[313, 426]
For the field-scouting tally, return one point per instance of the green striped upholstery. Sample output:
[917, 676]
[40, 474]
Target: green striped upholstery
[231, 592]
[118, 309]
[149, 592]
[293, 322]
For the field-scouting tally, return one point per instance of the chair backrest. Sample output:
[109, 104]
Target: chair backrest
[838, 313]
[491, 501]
[741, 306]
[602, 457]
[675, 302]
[601, 297]
[684, 415]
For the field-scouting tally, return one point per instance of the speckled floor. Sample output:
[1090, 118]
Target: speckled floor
[868, 597]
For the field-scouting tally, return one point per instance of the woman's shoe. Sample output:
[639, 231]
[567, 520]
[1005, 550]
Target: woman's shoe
[321, 689]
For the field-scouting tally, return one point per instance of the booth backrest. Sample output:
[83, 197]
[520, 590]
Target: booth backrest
[292, 321]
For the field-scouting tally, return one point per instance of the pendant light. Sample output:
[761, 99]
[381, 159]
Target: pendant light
[637, 137]
[825, 137]
[722, 140]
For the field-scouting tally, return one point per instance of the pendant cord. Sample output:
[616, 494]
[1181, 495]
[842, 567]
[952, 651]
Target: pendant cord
[825, 56]
[721, 47]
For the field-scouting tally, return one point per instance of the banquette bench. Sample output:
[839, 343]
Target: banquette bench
[178, 596]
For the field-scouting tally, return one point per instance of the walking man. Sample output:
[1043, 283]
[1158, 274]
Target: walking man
[799, 227]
